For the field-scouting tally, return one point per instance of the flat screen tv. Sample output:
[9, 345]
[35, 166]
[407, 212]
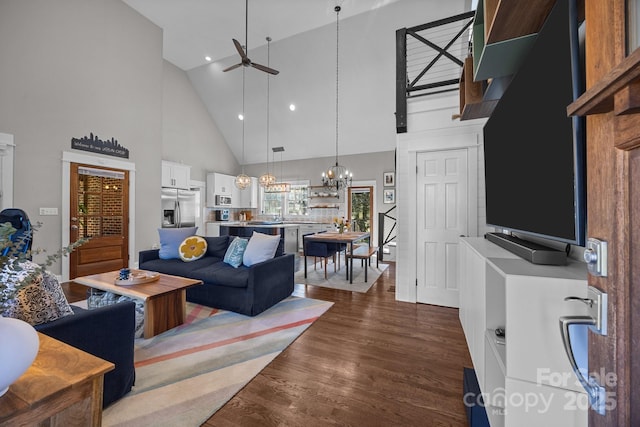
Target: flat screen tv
[534, 154]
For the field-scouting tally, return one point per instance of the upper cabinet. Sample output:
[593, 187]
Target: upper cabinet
[175, 175]
[249, 196]
[219, 184]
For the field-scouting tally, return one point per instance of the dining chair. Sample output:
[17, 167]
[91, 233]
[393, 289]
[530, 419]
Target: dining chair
[319, 250]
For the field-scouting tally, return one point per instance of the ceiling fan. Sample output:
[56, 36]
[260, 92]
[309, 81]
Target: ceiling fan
[244, 59]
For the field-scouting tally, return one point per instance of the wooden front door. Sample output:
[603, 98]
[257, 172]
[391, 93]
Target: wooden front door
[99, 211]
[611, 104]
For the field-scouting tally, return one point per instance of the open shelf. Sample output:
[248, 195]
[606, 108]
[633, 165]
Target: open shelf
[472, 102]
[509, 19]
[478, 99]
[319, 191]
[324, 207]
[503, 33]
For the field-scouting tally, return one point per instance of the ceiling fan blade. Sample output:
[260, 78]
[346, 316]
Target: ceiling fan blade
[265, 69]
[233, 67]
[239, 48]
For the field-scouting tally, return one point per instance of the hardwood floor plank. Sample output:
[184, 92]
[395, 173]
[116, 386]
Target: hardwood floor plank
[368, 361]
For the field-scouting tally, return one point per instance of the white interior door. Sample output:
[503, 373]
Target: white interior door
[441, 214]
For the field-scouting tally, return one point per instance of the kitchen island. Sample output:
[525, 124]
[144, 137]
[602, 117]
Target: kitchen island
[289, 233]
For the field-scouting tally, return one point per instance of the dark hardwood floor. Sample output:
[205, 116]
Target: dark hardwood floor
[369, 361]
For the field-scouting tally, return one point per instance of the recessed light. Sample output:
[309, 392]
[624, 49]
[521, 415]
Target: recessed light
[207, 58]
[292, 107]
[240, 117]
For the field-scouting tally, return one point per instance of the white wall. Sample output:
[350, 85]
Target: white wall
[69, 68]
[189, 134]
[72, 67]
[430, 127]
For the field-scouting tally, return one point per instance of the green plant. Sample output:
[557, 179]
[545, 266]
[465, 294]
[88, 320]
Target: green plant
[16, 269]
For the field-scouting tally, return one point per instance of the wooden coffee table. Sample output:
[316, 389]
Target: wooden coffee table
[165, 300]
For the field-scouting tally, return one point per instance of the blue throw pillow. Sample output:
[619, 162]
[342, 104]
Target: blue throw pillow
[235, 252]
[170, 239]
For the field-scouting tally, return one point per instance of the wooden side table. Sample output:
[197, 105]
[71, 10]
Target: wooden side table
[62, 387]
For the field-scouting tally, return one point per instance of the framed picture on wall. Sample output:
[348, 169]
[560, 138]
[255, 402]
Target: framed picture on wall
[389, 179]
[389, 196]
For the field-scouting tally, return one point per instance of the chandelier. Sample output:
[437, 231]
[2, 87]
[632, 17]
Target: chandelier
[242, 181]
[267, 178]
[278, 187]
[337, 175]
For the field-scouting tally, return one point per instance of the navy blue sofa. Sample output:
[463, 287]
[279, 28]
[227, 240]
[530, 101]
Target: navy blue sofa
[105, 332]
[244, 290]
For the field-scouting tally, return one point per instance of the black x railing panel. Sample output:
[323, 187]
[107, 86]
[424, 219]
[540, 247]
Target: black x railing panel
[429, 59]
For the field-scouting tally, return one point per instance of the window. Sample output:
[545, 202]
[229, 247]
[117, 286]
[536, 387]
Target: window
[294, 202]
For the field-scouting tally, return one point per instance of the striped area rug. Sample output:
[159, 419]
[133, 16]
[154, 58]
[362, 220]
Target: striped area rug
[186, 374]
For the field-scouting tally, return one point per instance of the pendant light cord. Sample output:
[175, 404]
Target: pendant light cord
[246, 27]
[244, 117]
[337, 9]
[246, 52]
[268, 98]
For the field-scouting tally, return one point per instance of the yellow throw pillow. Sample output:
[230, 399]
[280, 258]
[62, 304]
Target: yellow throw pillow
[192, 248]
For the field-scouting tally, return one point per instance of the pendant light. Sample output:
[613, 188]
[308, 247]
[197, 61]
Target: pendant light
[337, 175]
[243, 181]
[278, 187]
[267, 178]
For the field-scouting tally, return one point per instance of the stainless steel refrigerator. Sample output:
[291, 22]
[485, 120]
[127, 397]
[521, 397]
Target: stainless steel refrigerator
[179, 207]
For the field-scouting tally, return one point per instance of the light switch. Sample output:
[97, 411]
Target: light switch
[48, 211]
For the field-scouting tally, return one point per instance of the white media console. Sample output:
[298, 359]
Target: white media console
[525, 378]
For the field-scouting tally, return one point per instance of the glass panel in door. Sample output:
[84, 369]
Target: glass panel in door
[100, 206]
[360, 208]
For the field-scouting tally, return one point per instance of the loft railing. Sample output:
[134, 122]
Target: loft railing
[429, 60]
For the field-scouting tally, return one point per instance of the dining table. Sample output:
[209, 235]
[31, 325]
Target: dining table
[347, 237]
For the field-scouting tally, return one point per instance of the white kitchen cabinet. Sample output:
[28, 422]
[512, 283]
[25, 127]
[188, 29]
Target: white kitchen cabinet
[175, 175]
[249, 197]
[219, 184]
[291, 240]
[212, 229]
[312, 228]
[501, 290]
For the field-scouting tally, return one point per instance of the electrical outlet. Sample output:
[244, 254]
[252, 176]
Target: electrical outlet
[48, 211]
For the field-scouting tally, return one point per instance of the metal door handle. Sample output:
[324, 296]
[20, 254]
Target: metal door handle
[73, 218]
[595, 392]
[74, 227]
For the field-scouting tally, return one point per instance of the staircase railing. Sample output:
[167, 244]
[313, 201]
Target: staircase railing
[386, 222]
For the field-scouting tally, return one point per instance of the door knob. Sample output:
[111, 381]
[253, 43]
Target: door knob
[73, 218]
[74, 227]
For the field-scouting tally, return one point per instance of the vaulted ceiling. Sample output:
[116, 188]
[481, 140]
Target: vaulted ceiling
[304, 51]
